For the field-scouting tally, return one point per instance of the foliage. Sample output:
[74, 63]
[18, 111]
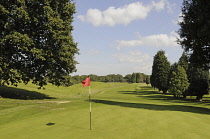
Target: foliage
[178, 81]
[147, 79]
[133, 78]
[183, 61]
[199, 82]
[160, 71]
[195, 31]
[36, 41]
[128, 78]
[138, 77]
[108, 78]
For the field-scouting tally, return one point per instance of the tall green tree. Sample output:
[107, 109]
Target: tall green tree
[138, 77]
[178, 83]
[183, 61]
[36, 42]
[142, 78]
[133, 78]
[153, 76]
[147, 79]
[152, 80]
[195, 31]
[160, 71]
[199, 82]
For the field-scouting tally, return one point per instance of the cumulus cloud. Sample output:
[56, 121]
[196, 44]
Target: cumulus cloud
[163, 4]
[159, 40]
[123, 15]
[132, 57]
[137, 60]
[92, 52]
[159, 5]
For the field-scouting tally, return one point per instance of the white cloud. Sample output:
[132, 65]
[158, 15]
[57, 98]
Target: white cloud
[92, 52]
[159, 5]
[137, 61]
[123, 15]
[159, 40]
[144, 68]
[163, 4]
[132, 57]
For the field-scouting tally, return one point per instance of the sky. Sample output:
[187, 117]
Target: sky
[123, 36]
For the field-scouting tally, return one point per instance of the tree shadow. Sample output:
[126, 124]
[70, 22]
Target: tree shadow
[146, 92]
[181, 108]
[22, 94]
[154, 95]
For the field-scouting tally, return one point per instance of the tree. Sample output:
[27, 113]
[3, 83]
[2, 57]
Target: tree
[178, 83]
[128, 77]
[199, 82]
[142, 78]
[183, 61]
[36, 41]
[102, 78]
[195, 31]
[133, 78]
[93, 77]
[152, 80]
[160, 71]
[138, 77]
[152, 77]
[147, 80]
[120, 78]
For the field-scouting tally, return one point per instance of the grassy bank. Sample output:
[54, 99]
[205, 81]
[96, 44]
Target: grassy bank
[119, 110]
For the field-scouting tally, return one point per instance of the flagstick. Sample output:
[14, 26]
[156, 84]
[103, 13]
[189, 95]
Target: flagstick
[90, 110]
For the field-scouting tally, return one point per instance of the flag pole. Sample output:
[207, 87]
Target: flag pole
[90, 110]
[86, 82]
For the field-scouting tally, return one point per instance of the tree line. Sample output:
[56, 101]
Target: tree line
[130, 78]
[182, 78]
[36, 44]
[190, 75]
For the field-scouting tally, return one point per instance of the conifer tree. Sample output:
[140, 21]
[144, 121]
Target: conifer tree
[147, 79]
[183, 61]
[178, 83]
[138, 77]
[199, 82]
[160, 71]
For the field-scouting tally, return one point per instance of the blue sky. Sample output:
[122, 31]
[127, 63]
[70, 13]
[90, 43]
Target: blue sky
[122, 36]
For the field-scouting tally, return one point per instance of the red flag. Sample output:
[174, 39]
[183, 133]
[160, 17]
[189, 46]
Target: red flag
[86, 82]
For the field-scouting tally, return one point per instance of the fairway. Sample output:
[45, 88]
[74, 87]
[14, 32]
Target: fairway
[119, 111]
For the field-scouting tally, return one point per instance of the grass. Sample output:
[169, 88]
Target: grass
[119, 110]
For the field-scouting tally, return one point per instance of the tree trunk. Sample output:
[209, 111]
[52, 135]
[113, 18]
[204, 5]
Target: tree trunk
[164, 91]
[199, 97]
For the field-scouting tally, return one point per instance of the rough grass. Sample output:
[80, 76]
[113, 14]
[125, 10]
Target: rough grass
[119, 110]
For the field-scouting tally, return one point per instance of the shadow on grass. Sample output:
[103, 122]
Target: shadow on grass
[146, 92]
[181, 108]
[50, 124]
[16, 93]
